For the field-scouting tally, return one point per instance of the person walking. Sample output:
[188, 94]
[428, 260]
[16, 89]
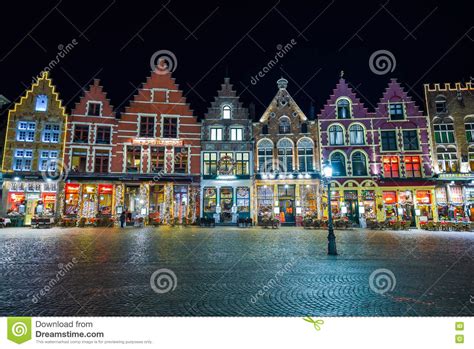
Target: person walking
[122, 219]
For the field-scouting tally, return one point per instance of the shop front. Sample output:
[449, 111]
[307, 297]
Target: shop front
[288, 201]
[455, 202]
[26, 200]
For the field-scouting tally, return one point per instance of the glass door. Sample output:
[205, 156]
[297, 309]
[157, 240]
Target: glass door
[226, 203]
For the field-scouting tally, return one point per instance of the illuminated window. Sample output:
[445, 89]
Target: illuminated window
[51, 133]
[265, 156]
[391, 167]
[336, 135]
[356, 133]
[242, 164]
[216, 133]
[412, 166]
[338, 164]
[447, 159]
[343, 109]
[48, 160]
[79, 160]
[471, 159]
[209, 162]
[396, 112]
[22, 159]
[470, 131]
[226, 112]
[25, 131]
[41, 103]
[285, 155]
[133, 159]
[236, 134]
[305, 155]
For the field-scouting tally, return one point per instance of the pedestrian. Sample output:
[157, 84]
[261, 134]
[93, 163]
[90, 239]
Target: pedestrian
[122, 219]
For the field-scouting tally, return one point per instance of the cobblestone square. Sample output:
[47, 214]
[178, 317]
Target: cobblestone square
[234, 272]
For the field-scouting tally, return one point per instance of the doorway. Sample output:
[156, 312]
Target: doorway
[226, 203]
[286, 199]
[352, 204]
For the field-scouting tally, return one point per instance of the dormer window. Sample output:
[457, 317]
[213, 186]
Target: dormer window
[41, 103]
[285, 125]
[94, 109]
[395, 111]
[343, 109]
[226, 112]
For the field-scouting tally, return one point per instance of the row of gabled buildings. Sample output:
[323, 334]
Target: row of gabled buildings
[157, 161]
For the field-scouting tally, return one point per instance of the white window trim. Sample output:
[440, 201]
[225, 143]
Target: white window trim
[177, 124]
[100, 109]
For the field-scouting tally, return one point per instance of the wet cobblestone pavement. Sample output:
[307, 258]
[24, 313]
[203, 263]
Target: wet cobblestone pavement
[232, 271]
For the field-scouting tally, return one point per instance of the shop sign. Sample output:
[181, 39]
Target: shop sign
[389, 197]
[32, 196]
[16, 197]
[158, 142]
[105, 188]
[423, 197]
[456, 194]
[441, 195]
[72, 188]
[368, 195]
[49, 197]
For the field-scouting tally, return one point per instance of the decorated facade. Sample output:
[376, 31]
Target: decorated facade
[450, 108]
[33, 152]
[287, 185]
[226, 159]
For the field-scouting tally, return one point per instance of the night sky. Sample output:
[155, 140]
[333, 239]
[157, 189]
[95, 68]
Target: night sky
[430, 41]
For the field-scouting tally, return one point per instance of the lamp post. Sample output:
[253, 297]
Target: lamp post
[332, 249]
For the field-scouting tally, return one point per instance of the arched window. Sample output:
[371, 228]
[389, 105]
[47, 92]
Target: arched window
[359, 166]
[444, 133]
[336, 135]
[469, 125]
[447, 159]
[305, 155]
[41, 103]
[441, 105]
[356, 133]
[226, 112]
[265, 156]
[285, 155]
[284, 126]
[343, 109]
[338, 164]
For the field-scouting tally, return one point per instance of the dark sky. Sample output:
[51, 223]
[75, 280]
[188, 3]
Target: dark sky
[430, 41]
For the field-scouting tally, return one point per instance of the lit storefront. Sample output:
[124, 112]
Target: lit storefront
[29, 199]
[226, 203]
[88, 200]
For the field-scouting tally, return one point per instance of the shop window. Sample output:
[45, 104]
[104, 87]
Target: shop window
[133, 159]
[236, 134]
[94, 108]
[356, 133]
[147, 126]
[22, 159]
[48, 160]
[81, 134]
[105, 199]
[305, 155]
[101, 161]
[447, 159]
[25, 131]
[336, 135]
[103, 135]
[264, 129]
[216, 134]
[89, 201]
[71, 206]
[41, 103]
[226, 112]
[469, 132]
[338, 164]
[412, 166]
[444, 133]
[210, 164]
[343, 108]
[242, 164]
[210, 200]
[157, 159]
[389, 140]
[264, 201]
[410, 140]
[284, 125]
[225, 165]
[359, 165]
[243, 199]
[170, 127]
[50, 133]
[440, 104]
[265, 156]
[181, 160]
[391, 167]
[157, 200]
[308, 195]
[285, 155]
[226, 201]
[471, 158]
[79, 160]
[396, 111]
[390, 202]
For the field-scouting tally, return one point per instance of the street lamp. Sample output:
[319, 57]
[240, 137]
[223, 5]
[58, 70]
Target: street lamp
[332, 250]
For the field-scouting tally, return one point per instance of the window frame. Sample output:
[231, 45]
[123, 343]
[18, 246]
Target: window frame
[82, 128]
[382, 141]
[410, 142]
[168, 128]
[333, 135]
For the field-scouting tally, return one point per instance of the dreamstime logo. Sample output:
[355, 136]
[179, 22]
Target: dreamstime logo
[163, 281]
[54, 170]
[382, 281]
[19, 329]
[272, 167]
[382, 62]
[163, 62]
